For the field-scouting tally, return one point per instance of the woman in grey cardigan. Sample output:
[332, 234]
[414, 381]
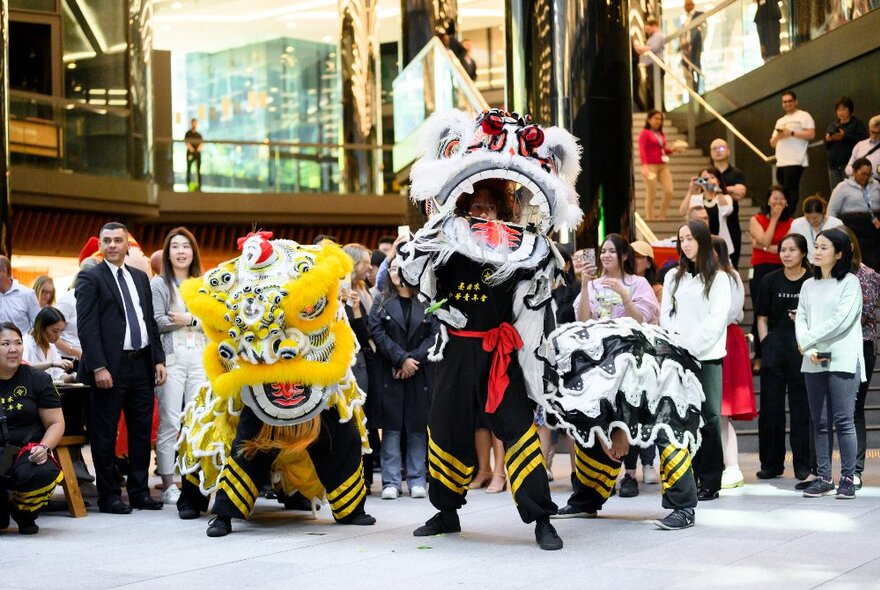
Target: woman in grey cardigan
[183, 342]
[829, 334]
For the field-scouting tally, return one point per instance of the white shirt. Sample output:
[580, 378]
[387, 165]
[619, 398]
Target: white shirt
[792, 151]
[67, 306]
[859, 151]
[34, 354]
[724, 211]
[803, 227]
[829, 320]
[19, 305]
[136, 301]
[737, 299]
[699, 323]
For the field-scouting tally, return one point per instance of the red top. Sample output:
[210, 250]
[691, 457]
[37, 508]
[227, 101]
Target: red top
[783, 226]
[651, 147]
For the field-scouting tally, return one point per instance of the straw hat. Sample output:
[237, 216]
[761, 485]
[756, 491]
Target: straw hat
[643, 248]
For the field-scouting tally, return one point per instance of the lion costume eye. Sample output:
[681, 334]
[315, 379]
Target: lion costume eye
[451, 148]
[302, 265]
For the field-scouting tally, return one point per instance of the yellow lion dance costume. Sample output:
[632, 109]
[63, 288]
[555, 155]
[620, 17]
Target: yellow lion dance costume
[282, 401]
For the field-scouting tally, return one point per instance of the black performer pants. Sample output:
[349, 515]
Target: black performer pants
[31, 485]
[460, 392]
[336, 455]
[595, 474]
[781, 372]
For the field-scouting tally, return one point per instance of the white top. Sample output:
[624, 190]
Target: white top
[792, 151]
[19, 305]
[67, 306]
[737, 299]
[699, 323]
[803, 227]
[136, 301]
[829, 320]
[34, 354]
[724, 212]
[860, 150]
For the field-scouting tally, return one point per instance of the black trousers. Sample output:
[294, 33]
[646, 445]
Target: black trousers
[709, 460]
[31, 485]
[595, 473]
[336, 455]
[861, 440]
[758, 273]
[194, 158]
[790, 178]
[133, 395]
[781, 374]
[460, 391]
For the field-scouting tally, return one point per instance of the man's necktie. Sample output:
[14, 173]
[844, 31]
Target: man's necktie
[133, 326]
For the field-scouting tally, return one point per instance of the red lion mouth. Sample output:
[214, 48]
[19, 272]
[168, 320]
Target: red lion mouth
[286, 395]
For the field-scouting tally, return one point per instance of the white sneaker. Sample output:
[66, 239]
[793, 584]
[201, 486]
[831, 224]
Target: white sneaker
[390, 493]
[170, 494]
[649, 474]
[731, 478]
[418, 492]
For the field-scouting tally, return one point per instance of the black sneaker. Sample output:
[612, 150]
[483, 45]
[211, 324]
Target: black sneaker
[546, 535]
[219, 526]
[25, 521]
[846, 490]
[629, 487]
[769, 474]
[362, 519]
[818, 488]
[704, 495]
[569, 511]
[683, 518]
[187, 513]
[445, 521]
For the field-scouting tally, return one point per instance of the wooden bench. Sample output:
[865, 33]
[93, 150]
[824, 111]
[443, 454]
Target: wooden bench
[75, 504]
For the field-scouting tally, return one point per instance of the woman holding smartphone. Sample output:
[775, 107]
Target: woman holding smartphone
[696, 302]
[829, 334]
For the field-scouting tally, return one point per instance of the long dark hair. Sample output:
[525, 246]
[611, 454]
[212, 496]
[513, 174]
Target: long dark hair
[842, 244]
[800, 243]
[48, 316]
[650, 115]
[625, 254]
[706, 264]
[195, 267]
[724, 263]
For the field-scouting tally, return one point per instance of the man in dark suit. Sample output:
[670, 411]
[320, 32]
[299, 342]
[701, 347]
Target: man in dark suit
[122, 359]
[691, 47]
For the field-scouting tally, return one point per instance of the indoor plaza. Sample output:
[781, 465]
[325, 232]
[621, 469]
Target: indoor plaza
[189, 149]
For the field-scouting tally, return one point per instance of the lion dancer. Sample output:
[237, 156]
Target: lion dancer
[480, 374]
[281, 403]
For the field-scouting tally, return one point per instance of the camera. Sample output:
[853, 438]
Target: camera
[706, 184]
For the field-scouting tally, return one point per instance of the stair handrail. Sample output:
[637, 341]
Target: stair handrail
[696, 96]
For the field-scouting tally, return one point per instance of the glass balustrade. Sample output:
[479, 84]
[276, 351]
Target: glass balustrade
[258, 167]
[69, 135]
[744, 34]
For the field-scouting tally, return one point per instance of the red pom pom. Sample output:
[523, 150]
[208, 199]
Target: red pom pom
[533, 136]
[492, 124]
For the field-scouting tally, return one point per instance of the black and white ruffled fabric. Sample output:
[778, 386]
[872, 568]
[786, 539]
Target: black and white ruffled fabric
[619, 373]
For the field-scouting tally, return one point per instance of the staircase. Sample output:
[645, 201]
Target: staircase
[684, 166]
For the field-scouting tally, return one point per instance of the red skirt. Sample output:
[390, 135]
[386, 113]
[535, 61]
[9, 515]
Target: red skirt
[738, 389]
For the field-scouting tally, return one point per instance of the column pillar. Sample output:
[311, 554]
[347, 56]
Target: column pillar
[5, 204]
[358, 52]
[569, 64]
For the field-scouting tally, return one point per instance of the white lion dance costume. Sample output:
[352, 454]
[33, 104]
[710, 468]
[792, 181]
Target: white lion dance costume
[622, 375]
[489, 278]
[282, 401]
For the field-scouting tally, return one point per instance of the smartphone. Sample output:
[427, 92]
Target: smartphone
[403, 232]
[825, 357]
[589, 255]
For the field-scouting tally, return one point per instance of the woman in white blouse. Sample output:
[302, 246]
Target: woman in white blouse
[813, 222]
[829, 334]
[695, 306]
[39, 345]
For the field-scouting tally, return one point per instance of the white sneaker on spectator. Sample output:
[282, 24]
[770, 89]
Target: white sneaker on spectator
[649, 474]
[390, 493]
[731, 477]
[170, 494]
[418, 492]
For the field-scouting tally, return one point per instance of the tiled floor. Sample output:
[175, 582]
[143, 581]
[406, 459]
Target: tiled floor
[763, 535]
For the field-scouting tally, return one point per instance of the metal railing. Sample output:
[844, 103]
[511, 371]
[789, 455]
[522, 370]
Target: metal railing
[259, 166]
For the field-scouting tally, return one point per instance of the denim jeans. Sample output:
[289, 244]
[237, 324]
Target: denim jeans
[834, 394]
[416, 457]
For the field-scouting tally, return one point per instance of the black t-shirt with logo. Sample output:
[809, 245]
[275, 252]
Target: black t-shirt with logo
[22, 396]
[778, 296]
[465, 283]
